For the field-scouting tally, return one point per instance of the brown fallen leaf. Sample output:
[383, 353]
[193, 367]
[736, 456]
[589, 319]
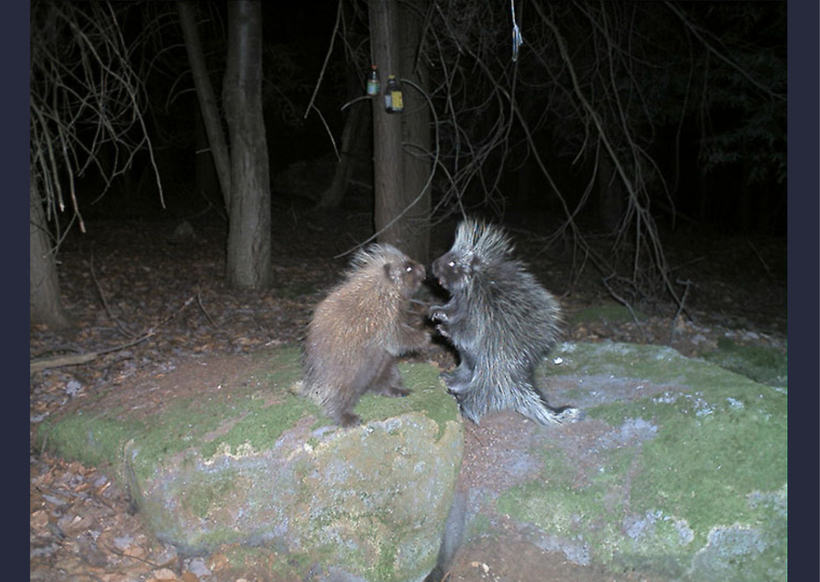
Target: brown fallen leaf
[163, 574]
[217, 562]
[39, 519]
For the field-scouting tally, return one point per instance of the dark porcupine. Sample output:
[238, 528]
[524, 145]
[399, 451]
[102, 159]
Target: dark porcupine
[359, 330]
[501, 321]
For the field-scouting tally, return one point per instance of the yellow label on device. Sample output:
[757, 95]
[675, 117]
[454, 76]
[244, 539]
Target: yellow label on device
[395, 97]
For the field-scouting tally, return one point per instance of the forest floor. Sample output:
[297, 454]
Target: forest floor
[149, 297]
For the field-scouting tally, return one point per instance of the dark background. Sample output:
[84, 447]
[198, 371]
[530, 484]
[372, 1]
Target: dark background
[715, 209]
[723, 160]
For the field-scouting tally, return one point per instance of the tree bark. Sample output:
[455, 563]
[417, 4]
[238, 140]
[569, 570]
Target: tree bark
[396, 214]
[207, 98]
[387, 155]
[416, 136]
[44, 294]
[249, 229]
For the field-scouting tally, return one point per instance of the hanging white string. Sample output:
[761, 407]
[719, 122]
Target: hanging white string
[517, 39]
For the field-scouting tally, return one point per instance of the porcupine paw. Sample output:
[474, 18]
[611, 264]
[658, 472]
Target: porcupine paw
[438, 315]
[442, 331]
[347, 419]
[454, 383]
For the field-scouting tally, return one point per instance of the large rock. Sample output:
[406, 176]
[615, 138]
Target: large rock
[678, 471]
[221, 452]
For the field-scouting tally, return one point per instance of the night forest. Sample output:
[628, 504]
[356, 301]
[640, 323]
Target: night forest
[612, 123]
[202, 172]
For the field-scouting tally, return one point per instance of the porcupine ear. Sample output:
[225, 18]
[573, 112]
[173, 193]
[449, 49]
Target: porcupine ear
[388, 271]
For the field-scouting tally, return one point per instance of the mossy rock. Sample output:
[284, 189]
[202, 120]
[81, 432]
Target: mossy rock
[678, 471]
[221, 451]
[767, 365]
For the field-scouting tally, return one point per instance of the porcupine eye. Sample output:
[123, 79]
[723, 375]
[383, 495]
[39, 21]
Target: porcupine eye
[453, 274]
[412, 272]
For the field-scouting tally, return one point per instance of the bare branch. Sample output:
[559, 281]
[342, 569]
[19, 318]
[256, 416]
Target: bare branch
[701, 36]
[86, 98]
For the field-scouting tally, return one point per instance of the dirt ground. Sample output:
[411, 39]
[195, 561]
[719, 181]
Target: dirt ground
[144, 298]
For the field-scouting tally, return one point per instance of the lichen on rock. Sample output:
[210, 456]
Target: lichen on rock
[247, 462]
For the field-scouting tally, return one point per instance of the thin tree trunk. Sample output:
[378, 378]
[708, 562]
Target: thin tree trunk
[402, 204]
[44, 293]
[207, 98]
[387, 154]
[249, 229]
[416, 136]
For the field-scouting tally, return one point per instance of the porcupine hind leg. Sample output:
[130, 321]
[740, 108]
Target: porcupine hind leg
[387, 381]
[533, 405]
[340, 409]
[468, 406]
[459, 380]
[477, 397]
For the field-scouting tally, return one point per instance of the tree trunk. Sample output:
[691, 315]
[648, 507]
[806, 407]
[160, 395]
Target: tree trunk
[207, 98]
[402, 208]
[416, 136]
[249, 228]
[44, 291]
[387, 154]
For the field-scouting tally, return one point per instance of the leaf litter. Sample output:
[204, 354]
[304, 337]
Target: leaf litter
[144, 282]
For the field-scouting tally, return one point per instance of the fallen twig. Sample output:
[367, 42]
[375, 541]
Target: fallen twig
[205, 311]
[762, 262]
[40, 364]
[625, 303]
[120, 325]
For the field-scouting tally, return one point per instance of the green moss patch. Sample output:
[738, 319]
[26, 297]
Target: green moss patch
[428, 396]
[222, 451]
[766, 365]
[670, 470]
[248, 403]
[655, 364]
[249, 406]
[87, 437]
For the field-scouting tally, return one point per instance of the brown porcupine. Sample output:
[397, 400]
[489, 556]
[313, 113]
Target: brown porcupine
[360, 328]
[501, 321]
